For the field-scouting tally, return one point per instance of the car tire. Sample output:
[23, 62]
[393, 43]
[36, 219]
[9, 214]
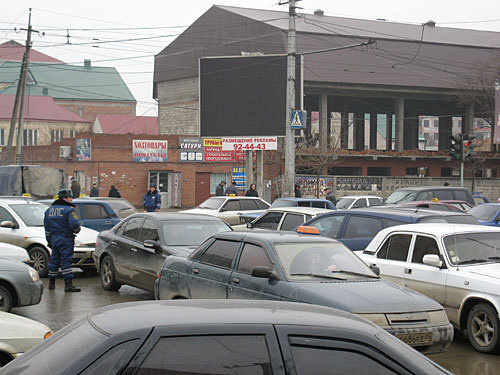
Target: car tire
[5, 299]
[483, 328]
[107, 274]
[40, 257]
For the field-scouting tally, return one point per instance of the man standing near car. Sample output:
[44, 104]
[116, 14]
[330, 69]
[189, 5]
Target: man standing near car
[94, 192]
[330, 195]
[75, 188]
[61, 226]
[152, 199]
[219, 189]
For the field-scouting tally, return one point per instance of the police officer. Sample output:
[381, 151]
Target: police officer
[61, 226]
[152, 199]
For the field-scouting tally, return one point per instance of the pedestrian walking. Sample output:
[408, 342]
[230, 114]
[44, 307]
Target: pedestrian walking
[61, 226]
[152, 199]
[219, 189]
[231, 189]
[94, 192]
[297, 191]
[330, 195]
[75, 188]
[114, 193]
[252, 191]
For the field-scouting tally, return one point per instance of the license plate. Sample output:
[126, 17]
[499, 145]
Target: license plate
[416, 339]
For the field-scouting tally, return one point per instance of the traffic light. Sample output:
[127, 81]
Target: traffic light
[469, 146]
[456, 146]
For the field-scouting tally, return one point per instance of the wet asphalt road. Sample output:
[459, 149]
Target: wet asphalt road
[57, 309]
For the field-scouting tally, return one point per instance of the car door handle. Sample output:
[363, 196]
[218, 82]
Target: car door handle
[107, 222]
[235, 280]
[196, 270]
[239, 213]
[133, 249]
[113, 243]
[408, 271]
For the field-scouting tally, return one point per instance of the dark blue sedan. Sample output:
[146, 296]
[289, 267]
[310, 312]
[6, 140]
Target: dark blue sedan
[310, 269]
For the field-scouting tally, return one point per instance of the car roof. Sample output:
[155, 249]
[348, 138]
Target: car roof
[175, 216]
[271, 236]
[12, 200]
[123, 317]
[420, 188]
[300, 199]
[360, 196]
[441, 229]
[300, 210]
[390, 212]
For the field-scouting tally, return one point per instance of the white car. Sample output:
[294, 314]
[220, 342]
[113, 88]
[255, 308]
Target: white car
[285, 218]
[21, 224]
[14, 252]
[229, 209]
[457, 265]
[18, 334]
[358, 201]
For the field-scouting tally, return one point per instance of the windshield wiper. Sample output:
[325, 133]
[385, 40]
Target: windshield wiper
[356, 274]
[470, 261]
[494, 258]
[318, 275]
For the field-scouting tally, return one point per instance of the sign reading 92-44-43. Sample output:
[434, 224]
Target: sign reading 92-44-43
[249, 143]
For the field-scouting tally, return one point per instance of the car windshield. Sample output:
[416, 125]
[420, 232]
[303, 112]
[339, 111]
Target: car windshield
[212, 203]
[304, 259]
[118, 206]
[401, 196]
[278, 203]
[344, 203]
[30, 213]
[192, 232]
[484, 212]
[471, 248]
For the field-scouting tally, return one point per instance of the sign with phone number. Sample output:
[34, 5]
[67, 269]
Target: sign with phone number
[249, 143]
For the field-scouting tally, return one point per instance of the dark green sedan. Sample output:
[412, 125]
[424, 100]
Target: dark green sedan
[310, 269]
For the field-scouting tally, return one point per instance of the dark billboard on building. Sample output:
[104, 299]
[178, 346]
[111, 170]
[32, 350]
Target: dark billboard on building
[244, 96]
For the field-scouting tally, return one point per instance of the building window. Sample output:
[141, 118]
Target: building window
[426, 123]
[56, 135]
[345, 171]
[446, 172]
[412, 171]
[2, 137]
[30, 137]
[216, 178]
[378, 171]
[73, 133]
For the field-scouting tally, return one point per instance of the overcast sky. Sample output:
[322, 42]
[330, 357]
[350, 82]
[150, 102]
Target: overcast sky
[160, 21]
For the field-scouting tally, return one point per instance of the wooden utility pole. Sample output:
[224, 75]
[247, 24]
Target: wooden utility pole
[19, 101]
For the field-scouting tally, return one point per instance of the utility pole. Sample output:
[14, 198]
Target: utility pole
[19, 100]
[289, 178]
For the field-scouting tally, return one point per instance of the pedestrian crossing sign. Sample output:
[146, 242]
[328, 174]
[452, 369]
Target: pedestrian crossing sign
[298, 119]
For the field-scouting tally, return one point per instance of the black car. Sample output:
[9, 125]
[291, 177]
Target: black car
[356, 227]
[428, 193]
[133, 251]
[221, 337]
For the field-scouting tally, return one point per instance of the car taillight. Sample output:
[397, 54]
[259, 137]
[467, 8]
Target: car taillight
[47, 335]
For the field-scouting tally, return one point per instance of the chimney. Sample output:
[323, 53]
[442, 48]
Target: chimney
[86, 63]
[45, 91]
[430, 23]
[319, 12]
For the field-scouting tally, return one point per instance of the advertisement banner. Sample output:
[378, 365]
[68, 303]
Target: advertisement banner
[149, 151]
[82, 149]
[190, 149]
[496, 121]
[239, 177]
[208, 149]
[249, 143]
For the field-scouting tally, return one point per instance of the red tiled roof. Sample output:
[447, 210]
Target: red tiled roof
[38, 108]
[123, 124]
[14, 51]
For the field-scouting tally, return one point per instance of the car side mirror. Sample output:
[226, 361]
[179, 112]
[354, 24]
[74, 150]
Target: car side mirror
[151, 244]
[432, 260]
[8, 224]
[375, 269]
[264, 272]
[249, 225]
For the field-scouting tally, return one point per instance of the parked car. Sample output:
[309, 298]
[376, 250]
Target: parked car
[310, 269]
[428, 193]
[355, 228]
[92, 213]
[487, 213]
[289, 202]
[14, 252]
[435, 205]
[221, 337]
[122, 207]
[229, 209]
[18, 334]
[133, 251]
[358, 201]
[479, 198]
[21, 224]
[20, 285]
[456, 265]
[286, 218]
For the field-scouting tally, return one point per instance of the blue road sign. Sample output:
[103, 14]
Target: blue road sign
[298, 119]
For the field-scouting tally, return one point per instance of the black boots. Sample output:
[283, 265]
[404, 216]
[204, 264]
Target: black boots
[69, 287]
[52, 283]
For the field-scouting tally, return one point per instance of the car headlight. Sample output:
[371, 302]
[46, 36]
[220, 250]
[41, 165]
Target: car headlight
[436, 317]
[378, 319]
[34, 274]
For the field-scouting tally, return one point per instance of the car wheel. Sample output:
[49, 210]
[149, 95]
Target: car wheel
[482, 328]
[40, 258]
[107, 274]
[5, 299]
